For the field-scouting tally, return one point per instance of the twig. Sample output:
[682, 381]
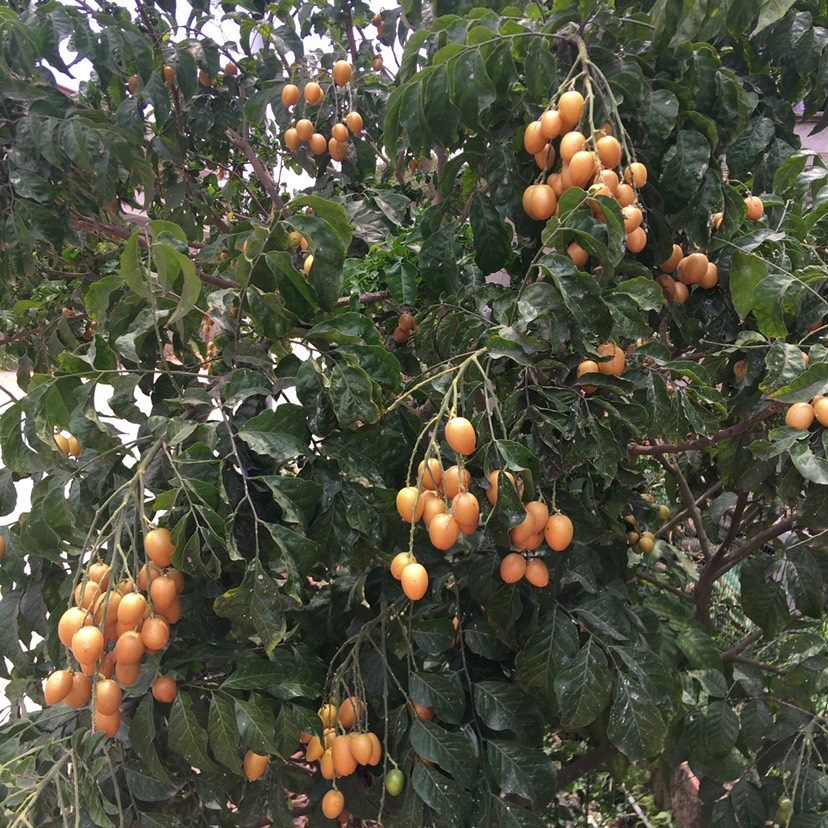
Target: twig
[645, 578]
[738, 649]
[634, 450]
[684, 512]
[262, 173]
[752, 662]
[690, 502]
[589, 761]
[364, 298]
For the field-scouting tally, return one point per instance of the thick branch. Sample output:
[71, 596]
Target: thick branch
[682, 515]
[262, 173]
[364, 298]
[349, 33]
[589, 761]
[689, 500]
[634, 450]
[738, 649]
[756, 542]
[762, 665]
[735, 525]
[645, 578]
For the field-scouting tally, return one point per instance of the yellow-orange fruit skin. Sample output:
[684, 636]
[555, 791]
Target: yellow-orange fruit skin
[127, 674]
[88, 645]
[333, 804]
[109, 724]
[820, 407]
[559, 532]
[400, 562]
[460, 435]
[81, 691]
[800, 415]
[350, 711]
[164, 689]
[615, 365]
[159, 547]
[107, 697]
[672, 263]
[455, 480]
[255, 764]
[362, 748]
[376, 749]
[410, 504]
[512, 568]
[58, 686]
[344, 762]
[70, 622]
[414, 581]
[537, 573]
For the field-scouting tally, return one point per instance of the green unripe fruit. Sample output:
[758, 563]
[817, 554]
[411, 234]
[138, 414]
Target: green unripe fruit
[394, 782]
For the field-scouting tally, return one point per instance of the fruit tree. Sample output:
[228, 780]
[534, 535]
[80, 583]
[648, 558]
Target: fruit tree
[490, 456]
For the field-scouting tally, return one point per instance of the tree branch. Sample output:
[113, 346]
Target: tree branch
[690, 502]
[364, 298]
[762, 665]
[349, 33]
[634, 449]
[738, 649]
[682, 515]
[589, 761]
[262, 173]
[756, 542]
[645, 578]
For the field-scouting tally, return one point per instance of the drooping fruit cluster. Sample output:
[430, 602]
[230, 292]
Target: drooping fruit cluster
[304, 131]
[802, 415]
[591, 161]
[612, 363]
[443, 501]
[68, 444]
[642, 541]
[112, 627]
[345, 745]
[692, 269]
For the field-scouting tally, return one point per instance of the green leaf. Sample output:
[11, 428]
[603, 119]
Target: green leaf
[472, 89]
[352, 395]
[265, 434]
[256, 604]
[8, 493]
[643, 291]
[770, 12]
[502, 706]
[721, 728]
[438, 263]
[298, 498]
[451, 751]
[804, 388]
[807, 463]
[685, 164]
[748, 805]
[511, 815]
[439, 792]
[583, 686]
[186, 735]
[286, 676]
[443, 693]
[327, 245]
[635, 726]
[492, 238]
[763, 598]
[401, 276]
[521, 770]
[256, 725]
[142, 731]
[440, 113]
[132, 268]
[223, 733]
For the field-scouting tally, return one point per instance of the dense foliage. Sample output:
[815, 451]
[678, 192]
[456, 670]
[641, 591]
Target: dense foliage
[162, 308]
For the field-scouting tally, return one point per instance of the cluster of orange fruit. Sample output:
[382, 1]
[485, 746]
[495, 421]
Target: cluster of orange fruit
[118, 615]
[344, 746]
[442, 500]
[755, 210]
[68, 445]
[692, 269]
[204, 79]
[802, 415]
[406, 325]
[612, 364]
[587, 162]
[303, 131]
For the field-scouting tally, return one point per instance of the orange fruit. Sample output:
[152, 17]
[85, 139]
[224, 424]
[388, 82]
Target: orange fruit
[169, 75]
[672, 263]
[132, 84]
[70, 622]
[88, 645]
[539, 512]
[354, 122]
[400, 562]
[460, 435]
[127, 674]
[109, 724]
[326, 765]
[99, 573]
[292, 139]
[434, 505]
[582, 168]
[539, 202]
[378, 64]
[442, 532]
[559, 532]
[340, 133]
[614, 366]
[820, 406]
[609, 151]
[164, 689]
[588, 366]
[609, 178]
[545, 159]
[230, 68]
[456, 480]
[401, 336]
[306, 267]
[717, 220]
[163, 592]
[129, 649]
[131, 609]
[740, 369]
[494, 483]
[350, 711]
[406, 321]
[680, 293]
[304, 129]
[625, 195]
[81, 691]
[89, 668]
[523, 531]
[422, 712]
[255, 764]
[333, 803]
[343, 759]
[315, 749]
[290, 94]
[710, 278]
[633, 217]
[571, 143]
[107, 697]
[376, 749]
[512, 568]
[341, 72]
[414, 580]
[571, 107]
[85, 594]
[800, 415]
[430, 472]
[578, 255]
[328, 714]
[533, 140]
[410, 504]
[362, 748]
[155, 633]
[755, 208]
[159, 547]
[694, 268]
[146, 575]
[318, 143]
[204, 79]
[637, 240]
[177, 578]
[551, 124]
[313, 93]
[636, 174]
[466, 511]
[62, 443]
[172, 615]
[537, 573]
[58, 686]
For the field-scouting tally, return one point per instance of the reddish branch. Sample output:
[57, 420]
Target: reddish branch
[689, 500]
[262, 173]
[700, 443]
[589, 761]
[364, 298]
